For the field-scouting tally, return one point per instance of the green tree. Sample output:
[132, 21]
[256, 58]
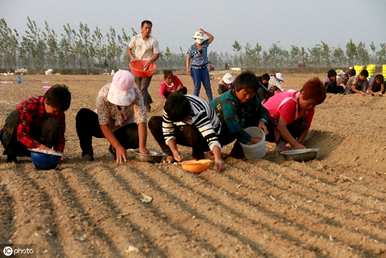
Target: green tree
[362, 53]
[351, 52]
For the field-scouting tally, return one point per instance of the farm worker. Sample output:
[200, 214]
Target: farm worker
[358, 84]
[377, 85]
[331, 83]
[37, 123]
[171, 84]
[238, 109]
[187, 120]
[197, 62]
[226, 83]
[291, 113]
[120, 118]
[144, 47]
[263, 92]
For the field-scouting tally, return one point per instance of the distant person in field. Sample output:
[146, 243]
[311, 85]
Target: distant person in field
[120, 118]
[171, 84]
[263, 92]
[189, 121]
[331, 83]
[37, 123]
[276, 82]
[291, 113]
[197, 62]
[238, 109]
[358, 84]
[377, 85]
[226, 83]
[144, 47]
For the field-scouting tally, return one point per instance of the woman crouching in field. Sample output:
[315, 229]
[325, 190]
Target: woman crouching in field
[120, 118]
[291, 113]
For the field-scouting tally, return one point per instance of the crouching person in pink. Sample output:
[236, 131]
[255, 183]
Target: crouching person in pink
[291, 113]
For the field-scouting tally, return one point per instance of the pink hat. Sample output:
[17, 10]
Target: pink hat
[121, 92]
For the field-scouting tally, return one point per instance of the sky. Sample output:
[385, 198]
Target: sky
[285, 22]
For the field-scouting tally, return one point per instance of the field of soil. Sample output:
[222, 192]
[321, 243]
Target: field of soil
[334, 206]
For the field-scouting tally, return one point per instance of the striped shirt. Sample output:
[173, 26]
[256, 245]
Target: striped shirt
[202, 117]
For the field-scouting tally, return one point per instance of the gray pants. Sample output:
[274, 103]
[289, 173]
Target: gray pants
[143, 85]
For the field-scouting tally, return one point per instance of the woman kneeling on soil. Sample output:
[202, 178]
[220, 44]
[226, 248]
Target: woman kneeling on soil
[291, 114]
[189, 121]
[120, 118]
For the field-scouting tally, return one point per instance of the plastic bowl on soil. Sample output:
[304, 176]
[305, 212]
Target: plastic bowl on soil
[45, 160]
[137, 68]
[196, 166]
[152, 157]
[301, 154]
[257, 150]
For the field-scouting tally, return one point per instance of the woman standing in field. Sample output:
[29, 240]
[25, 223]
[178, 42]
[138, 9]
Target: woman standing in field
[197, 62]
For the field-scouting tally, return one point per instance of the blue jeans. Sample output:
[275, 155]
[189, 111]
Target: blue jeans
[201, 75]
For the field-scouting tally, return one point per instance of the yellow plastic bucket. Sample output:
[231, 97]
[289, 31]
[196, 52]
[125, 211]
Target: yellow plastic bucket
[358, 69]
[371, 69]
[384, 70]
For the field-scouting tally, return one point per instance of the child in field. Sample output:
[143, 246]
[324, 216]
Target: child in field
[377, 85]
[226, 83]
[291, 113]
[238, 109]
[187, 120]
[171, 84]
[37, 122]
[197, 62]
[263, 91]
[358, 84]
[120, 118]
[331, 83]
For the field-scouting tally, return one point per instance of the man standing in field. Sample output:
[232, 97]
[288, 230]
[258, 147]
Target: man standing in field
[144, 47]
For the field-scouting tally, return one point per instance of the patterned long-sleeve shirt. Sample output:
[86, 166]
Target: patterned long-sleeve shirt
[236, 116]
[202, 117]
[33, 113]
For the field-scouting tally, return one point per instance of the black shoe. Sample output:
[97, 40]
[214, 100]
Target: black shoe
[88, 157]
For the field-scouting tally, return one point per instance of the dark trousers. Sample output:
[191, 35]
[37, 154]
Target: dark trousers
[47, 133]
[201, 75]
[296, 128]
[186, 135]
[143, 84]
[87, 126]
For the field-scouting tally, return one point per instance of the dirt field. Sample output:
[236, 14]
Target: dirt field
[331, 207]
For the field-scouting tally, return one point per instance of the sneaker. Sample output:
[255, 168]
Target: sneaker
[88, 157]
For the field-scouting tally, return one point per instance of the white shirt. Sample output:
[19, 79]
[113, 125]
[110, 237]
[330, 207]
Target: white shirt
[143, 49]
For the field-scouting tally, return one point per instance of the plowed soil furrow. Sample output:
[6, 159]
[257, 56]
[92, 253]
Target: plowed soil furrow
[112, 220]
[310, 204]
[236, 215]
[36, 220]
[364, 184]
[7, 215]
[192, 216]
[300, 208]
[151, 220]
[295, 178]
[78, 231]
[353, 190]
[235, 203]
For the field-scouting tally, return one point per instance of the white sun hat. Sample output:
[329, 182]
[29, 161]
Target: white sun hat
[228, 78]
[279, 76]
[199, 35]
[121, 91]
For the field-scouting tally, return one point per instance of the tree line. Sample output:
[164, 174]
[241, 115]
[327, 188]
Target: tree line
[86, 50]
